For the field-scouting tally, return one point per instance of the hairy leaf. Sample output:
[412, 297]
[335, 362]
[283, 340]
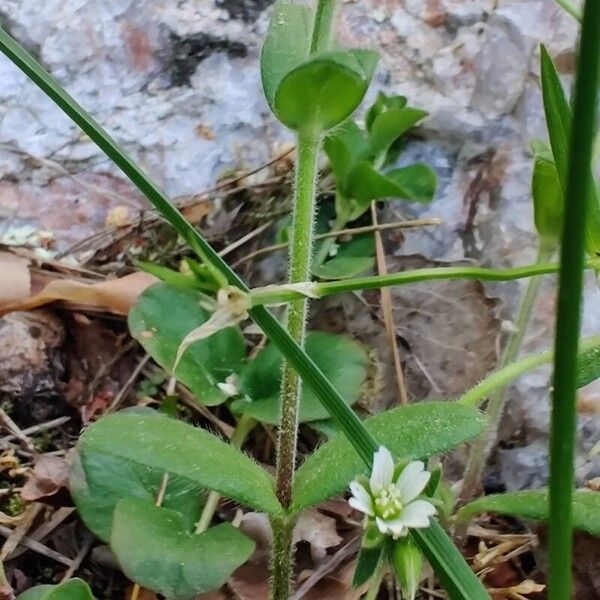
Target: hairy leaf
[533, 505]
[155, 549]
[165, 445]
[416, 431]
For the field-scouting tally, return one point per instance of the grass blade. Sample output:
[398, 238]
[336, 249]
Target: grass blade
[450, 567]
[568, 314]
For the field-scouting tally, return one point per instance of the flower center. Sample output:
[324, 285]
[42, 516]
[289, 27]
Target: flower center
[388, 504]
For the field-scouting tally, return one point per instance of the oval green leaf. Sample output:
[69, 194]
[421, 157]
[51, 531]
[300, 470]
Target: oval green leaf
[353, 258]
[163, 315]
[416, 431]
[533, 505]
[155, 549]
[99, 480]
[323, 92]
[343, 361]
[74, 589]
[164, 445]
[390, 125]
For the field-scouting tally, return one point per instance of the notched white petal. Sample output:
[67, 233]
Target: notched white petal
[361, 499]
[412, 481]
[383, 470]
[417, 513]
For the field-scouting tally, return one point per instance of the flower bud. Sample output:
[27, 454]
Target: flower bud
[407, 562]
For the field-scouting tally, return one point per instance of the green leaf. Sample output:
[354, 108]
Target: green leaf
[533, 505]
[390, 125]
[371, 552]
[286, 45]
[323, 92]
[458, 580]
[548, 199]
[558, 120]
[416, 431]
[353, 258]
[162, 444]
[343, 361]
[345, 146]
[74, 589]
[168, 275]
[99, 480]
[163, 315]
[381, 104]
[588, 366]
[155, 549]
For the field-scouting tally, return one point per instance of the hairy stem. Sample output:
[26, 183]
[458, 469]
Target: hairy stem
[482, 446]
[301, 246]
[244, 426]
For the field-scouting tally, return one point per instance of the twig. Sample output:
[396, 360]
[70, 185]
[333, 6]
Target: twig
[85, 548]
[14, 428]
[245, 239]
[387, 310]
[38, 547]
[349, 231]
[127, 385]
[41, 427]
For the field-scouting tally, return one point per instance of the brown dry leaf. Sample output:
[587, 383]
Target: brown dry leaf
[114, 295]
[250, 582]
[338, 585]
[16, 280]
[319, 531]
[517, 592]
[49, 475]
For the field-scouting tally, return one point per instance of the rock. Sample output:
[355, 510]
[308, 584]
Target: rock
[29, 343]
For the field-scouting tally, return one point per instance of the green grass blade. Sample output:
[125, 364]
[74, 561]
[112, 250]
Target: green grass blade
[448, 564]
[453, 568]
[568, 314]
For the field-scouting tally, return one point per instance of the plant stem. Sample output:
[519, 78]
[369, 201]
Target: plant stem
[568, 312]
[322, 28]
[375, 583]
[272, 294]
[301, 246]
[244, 426]
[481, 447]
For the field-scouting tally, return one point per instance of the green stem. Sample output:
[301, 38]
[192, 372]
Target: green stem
[301, 247]
[375, 583]
[322, 26]
[568, 313]
[282, 565]
[270, 295]
[480, 449]
[244, 426]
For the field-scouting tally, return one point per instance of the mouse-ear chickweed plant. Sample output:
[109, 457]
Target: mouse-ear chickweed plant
[149, 484]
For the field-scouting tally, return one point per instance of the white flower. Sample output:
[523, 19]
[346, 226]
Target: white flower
[230, 386]
[391, 502]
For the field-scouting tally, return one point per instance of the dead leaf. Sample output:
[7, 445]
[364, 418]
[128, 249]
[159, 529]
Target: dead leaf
[49, 475]
[114, 295]
[251, 582]
[319, 531]
[119, 216]
[16, 280]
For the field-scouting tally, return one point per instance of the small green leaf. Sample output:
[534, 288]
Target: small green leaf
[418, 182]
[286, 45]
[558, 120]
[370, 555]
[321, 93]
[353, 258]
[381, 104]
[548, 199]
[390, 125]
[533, 505]
[74, 589]
[345, 146]
[163, 315]
[163, 445]
[416, 431]
[588, 366]
[155, 549]
[342, 360]
[168, 275]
